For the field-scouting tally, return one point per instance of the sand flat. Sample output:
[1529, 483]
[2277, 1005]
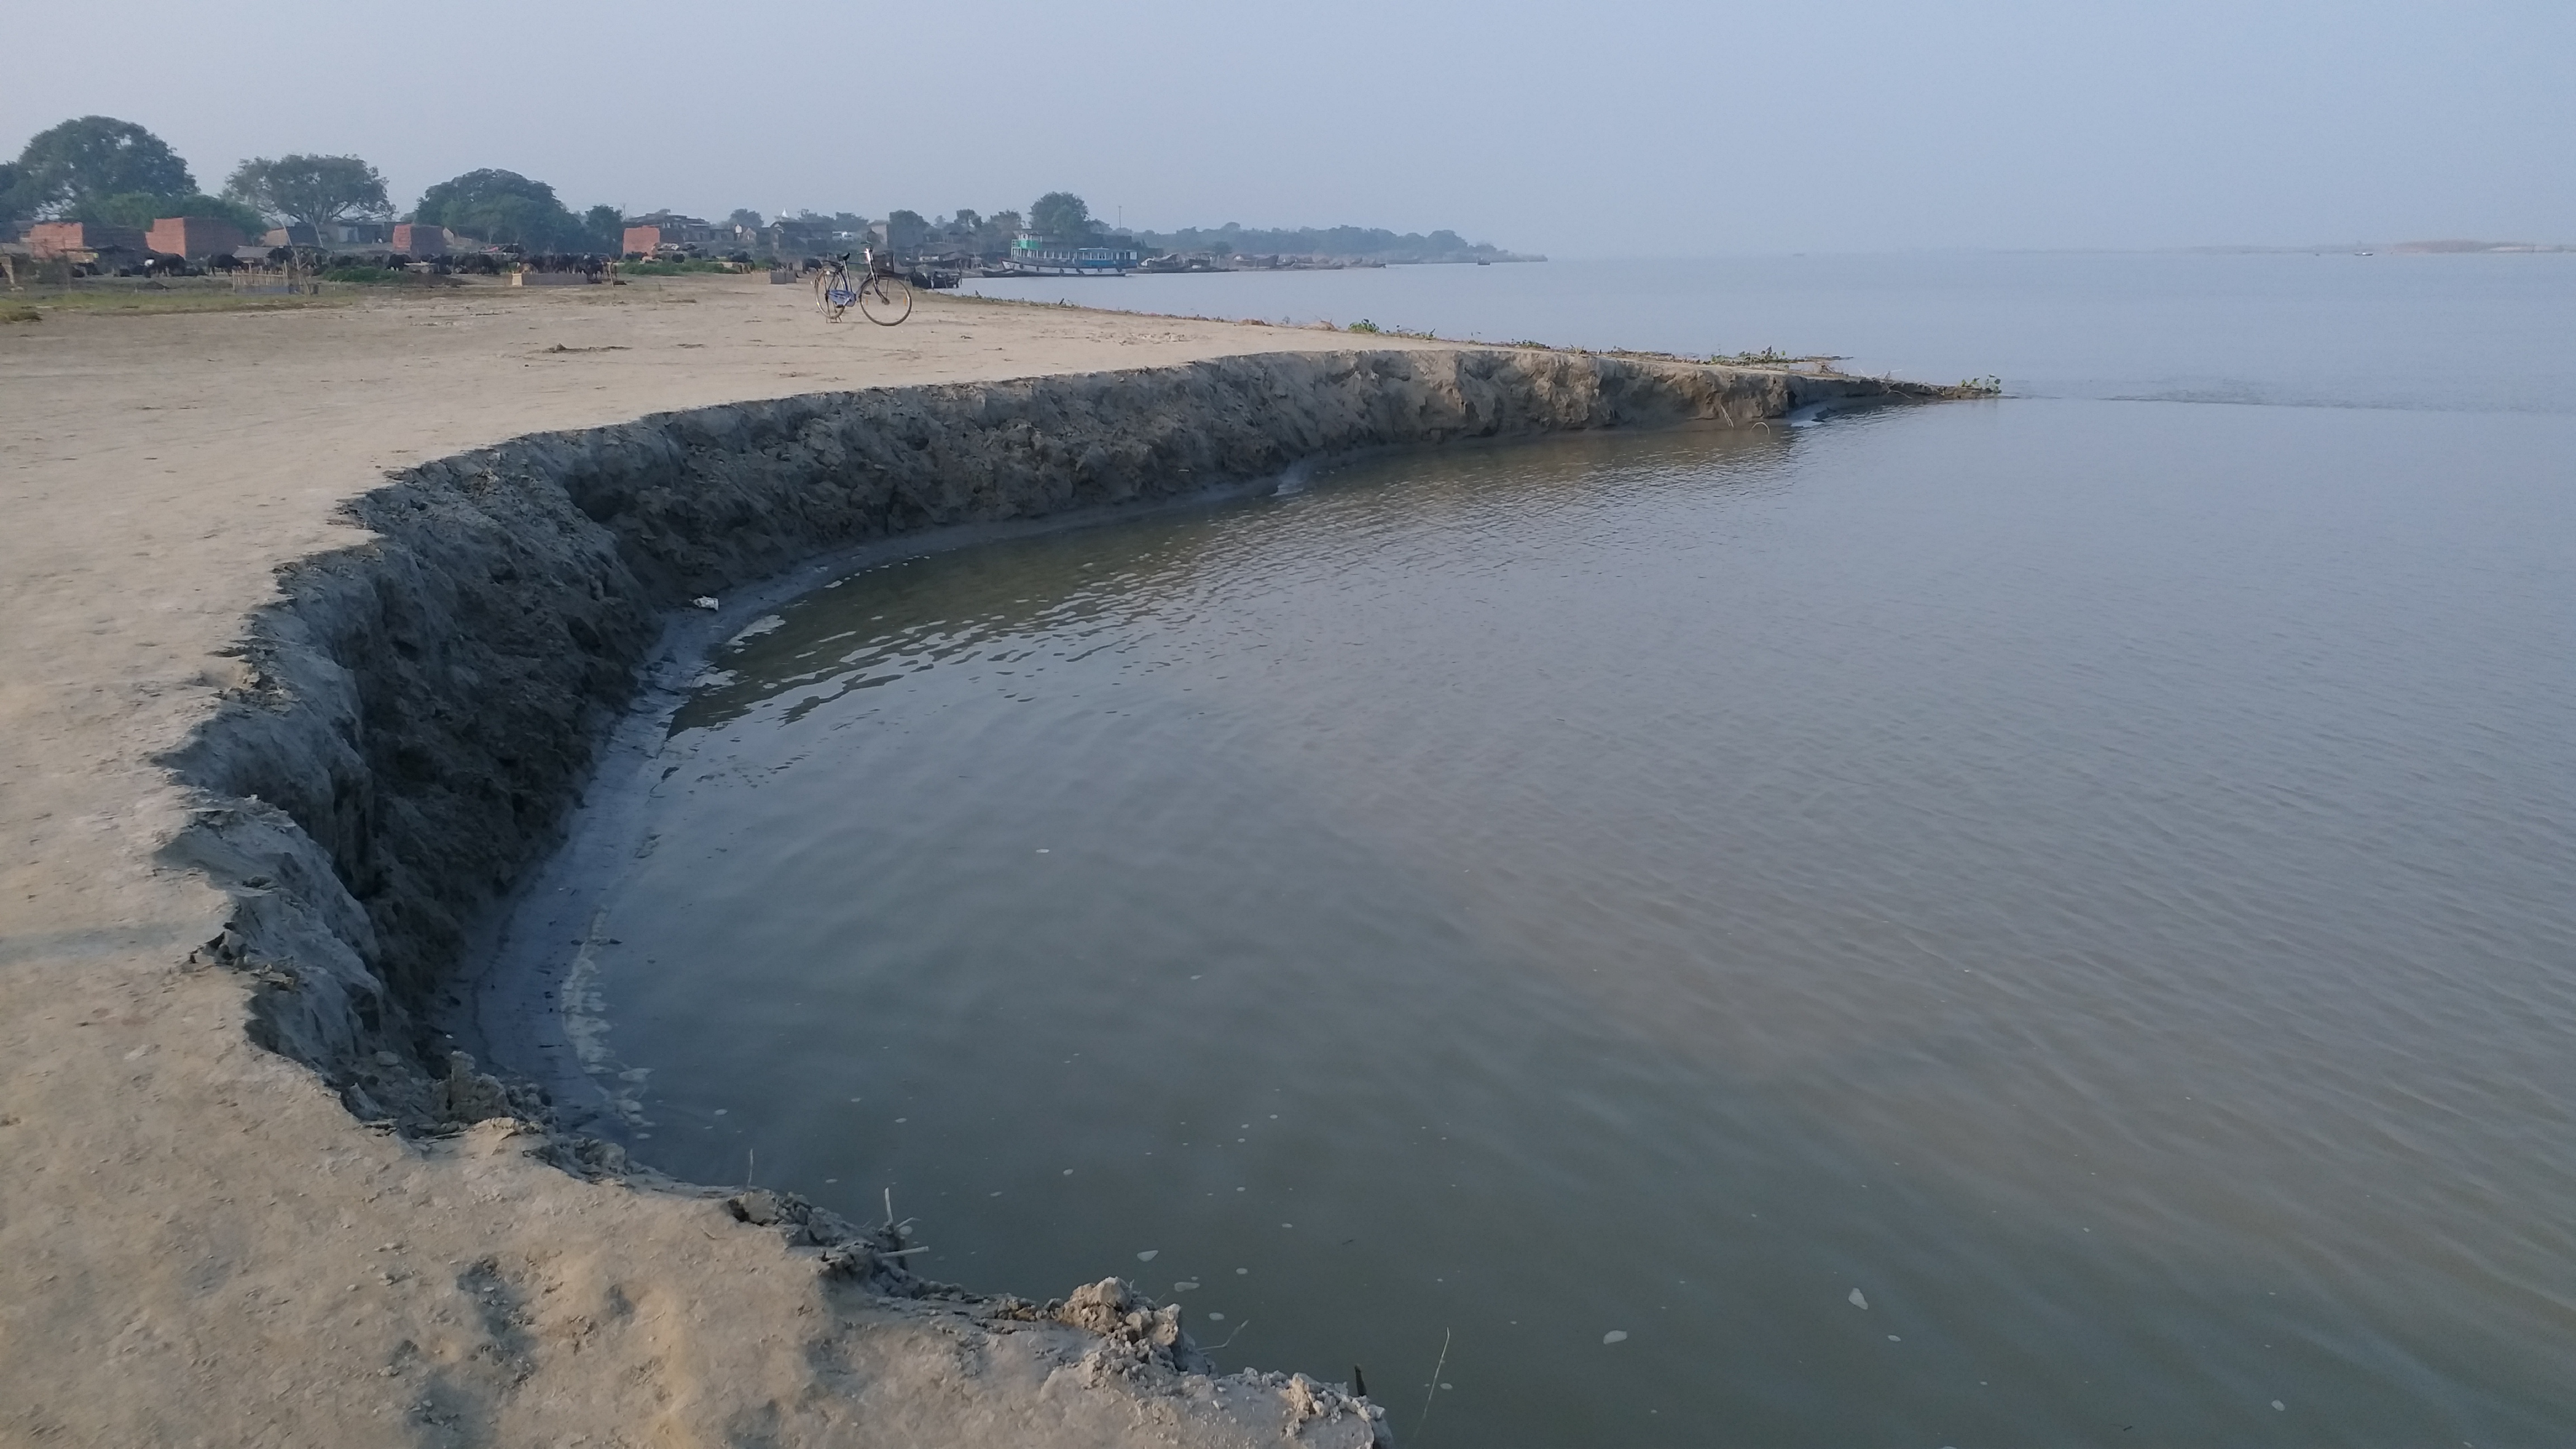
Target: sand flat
[198, 1244]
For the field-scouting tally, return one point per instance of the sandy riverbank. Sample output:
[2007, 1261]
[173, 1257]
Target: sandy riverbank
[199, 1241]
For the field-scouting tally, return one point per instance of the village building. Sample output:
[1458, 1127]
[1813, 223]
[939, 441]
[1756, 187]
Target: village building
[334, 234]
[896, 236]
[80, 241]
[788, 237]
[419, 239]
[668, 230]
[192, 236]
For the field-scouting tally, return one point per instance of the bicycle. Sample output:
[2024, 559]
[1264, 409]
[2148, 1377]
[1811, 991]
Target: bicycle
[880, 294]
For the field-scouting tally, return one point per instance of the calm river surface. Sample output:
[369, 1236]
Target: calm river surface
[2030, 923]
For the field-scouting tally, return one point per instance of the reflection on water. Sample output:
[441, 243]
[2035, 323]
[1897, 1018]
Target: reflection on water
[2089, 881]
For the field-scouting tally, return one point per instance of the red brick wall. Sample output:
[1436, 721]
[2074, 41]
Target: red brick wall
[641, 239]
[192, 236]
[54, 238]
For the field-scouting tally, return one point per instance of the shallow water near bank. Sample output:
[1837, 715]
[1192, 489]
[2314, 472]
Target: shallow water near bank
[2086, 881]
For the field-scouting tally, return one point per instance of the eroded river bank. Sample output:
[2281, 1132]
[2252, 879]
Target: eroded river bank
[361, 769]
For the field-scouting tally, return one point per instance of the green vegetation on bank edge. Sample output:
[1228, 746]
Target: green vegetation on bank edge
[1769, 357]
[1372, 329]
[1989, 385]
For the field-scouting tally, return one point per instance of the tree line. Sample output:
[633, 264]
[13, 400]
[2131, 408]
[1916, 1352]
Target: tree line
[1355, 243]
[100, 169]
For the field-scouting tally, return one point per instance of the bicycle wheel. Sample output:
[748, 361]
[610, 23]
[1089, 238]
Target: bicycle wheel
[832, 293]
[885, 300]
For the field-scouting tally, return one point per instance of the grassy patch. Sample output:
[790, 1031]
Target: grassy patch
[1774, 357]
[366, 276]
[18, 312]
[1372, 329]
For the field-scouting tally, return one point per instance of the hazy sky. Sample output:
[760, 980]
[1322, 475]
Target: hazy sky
[1616, 127]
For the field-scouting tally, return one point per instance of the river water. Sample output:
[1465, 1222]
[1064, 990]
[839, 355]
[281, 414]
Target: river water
[2049, 921]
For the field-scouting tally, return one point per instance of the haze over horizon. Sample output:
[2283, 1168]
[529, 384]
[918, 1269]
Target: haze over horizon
[1643, 127]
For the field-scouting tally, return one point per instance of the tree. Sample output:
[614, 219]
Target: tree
[140, 209]
[82, 161]
[500, 207]
[744, 216]
[606, 226]
[11, 206]
[1062, 215]
[314, 190]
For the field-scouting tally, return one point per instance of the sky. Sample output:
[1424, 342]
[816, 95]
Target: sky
[1604, 129]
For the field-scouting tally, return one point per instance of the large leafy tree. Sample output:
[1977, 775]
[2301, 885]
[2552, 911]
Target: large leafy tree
[142, 208]
[502, 206]
[75, 165]
[314, 190]
[1061, 214]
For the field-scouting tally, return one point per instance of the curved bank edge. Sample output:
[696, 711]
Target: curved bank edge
[422, 709]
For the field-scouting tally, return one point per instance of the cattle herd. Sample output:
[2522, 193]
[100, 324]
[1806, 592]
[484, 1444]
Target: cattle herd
[310, 261]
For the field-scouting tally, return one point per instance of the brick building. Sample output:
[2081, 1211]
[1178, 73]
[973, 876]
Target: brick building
[420, 239]
[192, 236]
[80, 240]
[655, 230]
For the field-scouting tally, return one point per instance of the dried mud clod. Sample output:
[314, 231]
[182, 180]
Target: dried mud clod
[1330, 1405]
[1134, 1323]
